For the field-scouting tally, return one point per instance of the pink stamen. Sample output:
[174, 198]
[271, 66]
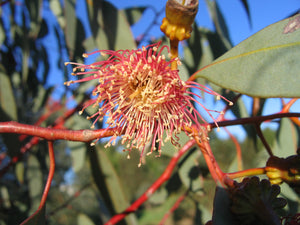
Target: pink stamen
[142, 97]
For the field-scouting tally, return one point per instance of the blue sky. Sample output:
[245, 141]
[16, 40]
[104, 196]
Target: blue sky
[263, 13]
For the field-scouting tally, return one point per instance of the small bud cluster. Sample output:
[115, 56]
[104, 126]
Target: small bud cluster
[180, 15]
[255, 202]
[287, 170]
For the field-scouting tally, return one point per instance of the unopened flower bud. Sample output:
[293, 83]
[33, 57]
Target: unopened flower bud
[177, 25]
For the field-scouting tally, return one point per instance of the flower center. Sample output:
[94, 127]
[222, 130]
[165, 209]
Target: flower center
[146, 88]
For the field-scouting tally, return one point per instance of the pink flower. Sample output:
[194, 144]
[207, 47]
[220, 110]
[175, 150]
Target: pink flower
[146, 102]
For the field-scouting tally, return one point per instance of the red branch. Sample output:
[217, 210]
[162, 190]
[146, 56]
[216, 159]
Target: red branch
[48, 184]
[51, 134]
[51, 108]
[58, 123]
[286, 108]
[50, 176]
[68, 201]
[174, 207]
[253, 120]
[263, 140]
[217, 174]
[164, 177]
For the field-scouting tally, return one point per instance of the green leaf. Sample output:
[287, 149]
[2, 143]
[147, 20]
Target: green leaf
[34, 178]
[154, 215]
[89, 44]
[19, 171]
[219, 22]
[221, 212]
[116, 28]
[169, 149]
[203, 47]
[134, 14]
[216, 44]
[288, 193]
[189, 172]
[193, 52]
[2, 33]
[7, 100]
[57, 10]
[25, 59]
[77, 122]
[83, 219]
[34, 8]
[265, 65]
[287, 139]
[41, 98]
[71, 19]
[78, 151]
[203, 214]
[108, 183]
[159, 197]
[284, 145]
[74, 32]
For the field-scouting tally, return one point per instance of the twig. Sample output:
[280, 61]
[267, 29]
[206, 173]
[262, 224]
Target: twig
[58, 123]
[217, 174]
[154, 22]
[48, 184]
[248, 172]
[50, 176]
[253, 120]
[263, 140]
[286, 108]
[51, 134]
[174, 207]
[67, 202]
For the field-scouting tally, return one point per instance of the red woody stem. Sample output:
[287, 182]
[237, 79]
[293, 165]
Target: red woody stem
[48, 184]
[52, 134]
